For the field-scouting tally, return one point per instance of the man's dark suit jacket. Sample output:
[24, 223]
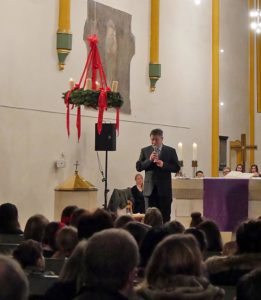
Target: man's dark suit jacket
[156, 176]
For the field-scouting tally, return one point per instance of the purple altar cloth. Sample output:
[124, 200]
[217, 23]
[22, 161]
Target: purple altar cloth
[226, 201]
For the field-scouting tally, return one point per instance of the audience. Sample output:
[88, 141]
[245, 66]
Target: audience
[137, 194]
[121, 221]
[213, 236]
[153, 217]
[226, 170]
[35, 228]
[249, 287]
[49, 241]
[175, 272]
[9, 223]
[66, 287]
[66, 241]
[13, 281]
[227, 270]
[89, 224]
[174, 227]
[254, 170]
[30, 256]
[240, 168]
[109, 274]
[200, 174]
[67, 213]
[137, 230]
[196, 219]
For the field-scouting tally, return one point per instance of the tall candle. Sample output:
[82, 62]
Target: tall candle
[194, 151]
[88, 84]
[114, 86]
[64, 16]
[71, 83]
[180, 151]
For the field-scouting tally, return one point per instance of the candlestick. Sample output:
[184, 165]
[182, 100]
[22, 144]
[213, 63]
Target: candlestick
[180, 151]
[194, 167]
[114, 86]
[88, 84]
[194, 151]
[71, 83]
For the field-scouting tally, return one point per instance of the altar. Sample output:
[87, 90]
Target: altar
[188, 197]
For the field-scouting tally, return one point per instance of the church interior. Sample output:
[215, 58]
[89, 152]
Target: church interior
[189, 67]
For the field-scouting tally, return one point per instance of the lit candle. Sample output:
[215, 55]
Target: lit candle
[180, 151]
[97, 85]
[114, 86]
[88, 84]
[194, 151]
[71, 83]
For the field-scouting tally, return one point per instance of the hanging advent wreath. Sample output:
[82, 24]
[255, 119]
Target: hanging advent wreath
[90, 93]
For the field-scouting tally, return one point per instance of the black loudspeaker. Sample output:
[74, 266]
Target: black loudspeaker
[106, 140]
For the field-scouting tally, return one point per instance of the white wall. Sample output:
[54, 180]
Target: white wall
[32, 130]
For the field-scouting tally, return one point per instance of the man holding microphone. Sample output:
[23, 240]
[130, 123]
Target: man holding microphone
[158, 161]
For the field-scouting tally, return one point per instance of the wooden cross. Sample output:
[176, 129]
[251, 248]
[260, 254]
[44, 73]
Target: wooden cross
[241, 146]
[76, 166]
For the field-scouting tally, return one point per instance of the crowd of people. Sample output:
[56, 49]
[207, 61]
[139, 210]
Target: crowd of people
[115, 257]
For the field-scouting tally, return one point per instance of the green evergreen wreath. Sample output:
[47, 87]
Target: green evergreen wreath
[90, 98]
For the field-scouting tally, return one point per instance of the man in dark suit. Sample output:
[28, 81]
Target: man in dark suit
[158, 161]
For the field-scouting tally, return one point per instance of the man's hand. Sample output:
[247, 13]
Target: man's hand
[159, 163]
[154, 156]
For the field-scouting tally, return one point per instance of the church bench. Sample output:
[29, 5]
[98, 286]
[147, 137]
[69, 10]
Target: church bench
[39, 284]
[7, 249]
[55, 265]
[11, 238]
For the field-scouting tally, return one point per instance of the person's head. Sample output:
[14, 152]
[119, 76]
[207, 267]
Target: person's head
[8, 217]
[174, 227]
[249, 287]
[66, 240]
[121, 221]
[137, 230]
[76, 216]
[153, 217]
[196, 219]
[156, 137]
[35, 228]
[50, 234]
[199, 174]
[139, 179]
[248, 237]
[213, 235]
[239, 168]
[200, 236]
[150, 241]
[30, 254]
[254, 169]
[110, 260]
[67, 214]
[13, 282]
[73, 267]
[89, 224]
[176, 255]
[226, 170]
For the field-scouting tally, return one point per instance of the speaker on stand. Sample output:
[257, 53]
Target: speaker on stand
[105, 141]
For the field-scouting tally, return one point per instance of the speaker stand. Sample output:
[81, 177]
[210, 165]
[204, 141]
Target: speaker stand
[106, 190]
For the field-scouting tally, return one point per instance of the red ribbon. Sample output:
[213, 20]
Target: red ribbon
[78, 122]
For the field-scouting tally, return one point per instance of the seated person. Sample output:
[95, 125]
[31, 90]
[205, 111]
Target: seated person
[249, 287]
[13, 282]
[9, 223]
[240, 168]
[153, 217]
[30, 256]
[254, 170]
[226, 170]
[49, 243]
[227, 270]
[199, 174]
[137, 194]
[67, 214]
[66, 241]
[35, 228]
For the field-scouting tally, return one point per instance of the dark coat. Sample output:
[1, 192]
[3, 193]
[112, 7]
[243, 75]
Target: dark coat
[227, 270]
[99, 294]
[156, 176]
[182, 287]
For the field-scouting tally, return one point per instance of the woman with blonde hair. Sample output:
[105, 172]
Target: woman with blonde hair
[175, 272]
